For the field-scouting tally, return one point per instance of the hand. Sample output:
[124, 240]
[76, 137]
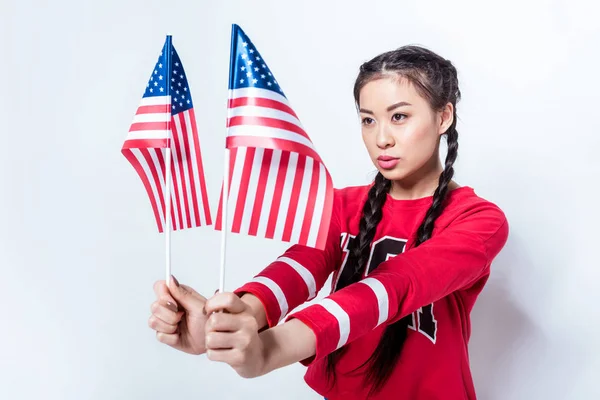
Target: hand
[178, 317]
[232, 336]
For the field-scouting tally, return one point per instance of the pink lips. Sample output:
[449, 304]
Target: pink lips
[387, 162]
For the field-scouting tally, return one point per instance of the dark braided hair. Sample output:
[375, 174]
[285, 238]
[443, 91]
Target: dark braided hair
[436, 80]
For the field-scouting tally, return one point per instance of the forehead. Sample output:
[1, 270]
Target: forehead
[382, 92]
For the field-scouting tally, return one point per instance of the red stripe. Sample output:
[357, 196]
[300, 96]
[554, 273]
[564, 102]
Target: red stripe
[145, 143]
[232, 157]
[310, 205]
[154, 109]
[201, 177]
[260, 191]
[148, 126]
[261, 102]
[326, 217]
[295, 196]
[266, 121]
[163, 168]
[154, 173]
[270, 143]
[189, 160]
[279, 184]
[142, 174]
[243, 190]
[182, 204]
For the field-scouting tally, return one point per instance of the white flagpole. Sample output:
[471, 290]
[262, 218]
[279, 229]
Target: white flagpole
[224, 223]
[167, 191]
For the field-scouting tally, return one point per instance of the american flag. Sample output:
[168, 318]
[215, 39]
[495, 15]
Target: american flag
[279, 186]
[166, 114]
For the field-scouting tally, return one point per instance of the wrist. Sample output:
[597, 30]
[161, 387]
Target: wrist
[256, 309]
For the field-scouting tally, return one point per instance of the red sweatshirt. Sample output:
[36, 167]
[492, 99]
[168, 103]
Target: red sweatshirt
[436, 283]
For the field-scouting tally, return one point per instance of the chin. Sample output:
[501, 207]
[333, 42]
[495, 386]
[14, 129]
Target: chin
[395, 174]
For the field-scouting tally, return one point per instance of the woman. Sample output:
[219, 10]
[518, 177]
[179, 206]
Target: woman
[410, 253]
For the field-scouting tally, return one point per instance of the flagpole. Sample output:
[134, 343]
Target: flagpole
[225, 201]
[167, 191]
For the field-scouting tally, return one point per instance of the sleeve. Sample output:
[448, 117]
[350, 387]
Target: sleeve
[297, 275]
[449, 261]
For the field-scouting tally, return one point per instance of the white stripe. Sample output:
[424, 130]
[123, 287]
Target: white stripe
[256, 92]
[277, 292]
[161, 183]
[186, 173]
[134, 135]
[269, 193]
[382, 297]
[252, 189]
[142, 161]
[342, 318]
[286, 195]
[319, 204]
[151, 117]
[268, 132]
[306, 275]
[155, 100]
[302, 200]
[175, 165]
[255, 111]
[195, 160]
[235, 184]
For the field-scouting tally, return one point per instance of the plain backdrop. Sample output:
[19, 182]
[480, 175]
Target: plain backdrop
[79, 250]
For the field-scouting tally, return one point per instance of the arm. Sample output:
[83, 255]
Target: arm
[294, 278]
[449, 261]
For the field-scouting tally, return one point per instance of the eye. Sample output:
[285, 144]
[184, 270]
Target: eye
[398, 117]
[367, 121]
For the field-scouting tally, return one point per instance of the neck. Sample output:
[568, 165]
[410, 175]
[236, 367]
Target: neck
[420, 184]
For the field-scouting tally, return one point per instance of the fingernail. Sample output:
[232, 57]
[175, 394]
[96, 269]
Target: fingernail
[175, 280]
[216, 291]
[204, 309]
[172, 306]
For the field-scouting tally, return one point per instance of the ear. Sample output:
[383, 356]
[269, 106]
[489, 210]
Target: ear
[446, 118]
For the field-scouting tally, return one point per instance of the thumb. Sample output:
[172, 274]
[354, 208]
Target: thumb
[186, 297]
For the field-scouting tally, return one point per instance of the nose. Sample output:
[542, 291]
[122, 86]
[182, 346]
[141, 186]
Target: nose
[384, 138]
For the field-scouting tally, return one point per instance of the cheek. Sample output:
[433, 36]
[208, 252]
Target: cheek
[420, 144]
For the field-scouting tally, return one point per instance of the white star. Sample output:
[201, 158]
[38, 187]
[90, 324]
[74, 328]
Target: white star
[256, 69]
[269, 73]
[159, 65]
[180, 104]
[177, 91]
[161, 53]
[269, 83]
[172, 79]
[254, 80]
[264, 66]
[177, 64]
[155, 83]
[243, 68]
[245, 44]
[257, 58]
[274, 81]
[251, 51]
[179, 84]
[151, 90]
[241, 81]
[249, 74]
[183, 96]
[188, 102]
[185, 89]
[171, 87]
[155, 72]
[175, 99]
[181, 76]
[162, 90]
[151, 78]
[244, 56]
[173, 107]
[160, 77]
[175, 72]
[263, 76]
[249, 62]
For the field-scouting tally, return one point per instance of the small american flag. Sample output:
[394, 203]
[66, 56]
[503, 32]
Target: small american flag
[166, 114]
[279, 186]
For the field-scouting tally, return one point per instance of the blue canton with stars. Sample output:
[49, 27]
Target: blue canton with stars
[176, 86]
[248, 68]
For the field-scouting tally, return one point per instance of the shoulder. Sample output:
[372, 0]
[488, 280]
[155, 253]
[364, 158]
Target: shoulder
[350, 198]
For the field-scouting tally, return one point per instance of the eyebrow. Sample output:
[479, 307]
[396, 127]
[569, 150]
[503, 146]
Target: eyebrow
[390, 108]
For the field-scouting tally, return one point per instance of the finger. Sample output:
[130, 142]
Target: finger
[220, 340]
[168, 339]
[221, 322]
[164, 296]
[229, 302]
[161, 326]
[232, 357]
[166, 314]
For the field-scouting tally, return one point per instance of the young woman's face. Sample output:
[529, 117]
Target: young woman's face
[399, 128]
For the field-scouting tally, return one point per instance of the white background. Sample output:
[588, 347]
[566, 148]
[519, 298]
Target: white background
[79, 250]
